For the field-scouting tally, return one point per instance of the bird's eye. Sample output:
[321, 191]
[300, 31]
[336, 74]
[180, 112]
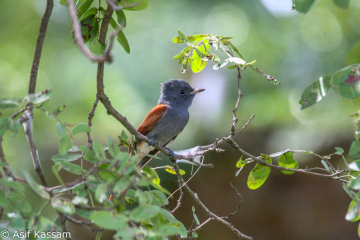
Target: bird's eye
[182, 92]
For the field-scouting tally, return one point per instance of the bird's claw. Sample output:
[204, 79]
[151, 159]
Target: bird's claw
[152, 142]
[172, 154]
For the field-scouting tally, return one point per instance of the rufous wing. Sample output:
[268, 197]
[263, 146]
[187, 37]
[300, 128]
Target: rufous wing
[152, 118]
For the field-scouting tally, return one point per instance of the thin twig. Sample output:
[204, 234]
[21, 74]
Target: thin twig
[83, 224]
[242, 200]
[91, 115]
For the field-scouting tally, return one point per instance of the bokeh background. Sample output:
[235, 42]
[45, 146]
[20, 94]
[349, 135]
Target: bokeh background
[295, 48]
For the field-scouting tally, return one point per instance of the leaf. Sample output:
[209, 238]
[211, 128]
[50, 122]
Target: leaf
[112, 147]
[67, 157]
[134, 5]
[353, 213]
[62, 206]
[352, 57]
[355, 184]
[9, 103]
[121, 19]
[80, 190]
[99, 150]
[355, 150]
[158, 198]
[60, 129]
[259, 174]
[183, 37]
[4, 125]
[192, 38]
[106, 174]
[339, 151]
[324, 163]
[14, 126]
[237, 60]
[121, 186]
[100, 193]
[88, 154]
[96, 47]
[81, 10]
[19, 204]
[70, 167]
[65, 144]
[82, 127]
[355, 166]
[56, 111]
[38, 97]
[195, 217]
[143, 213]
[108, 220]
[347, 80]
[79, 200]
[302, 6]
[35, 186]
[287, 160]
[63, 2]
[171, 170]
[120, 36]
[315, 92]
[198, 58]
[344, 4]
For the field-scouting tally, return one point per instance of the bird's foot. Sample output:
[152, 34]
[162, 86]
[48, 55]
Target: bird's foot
[172, 154]
[152, 141]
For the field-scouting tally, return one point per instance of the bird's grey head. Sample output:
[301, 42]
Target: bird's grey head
[177, 92]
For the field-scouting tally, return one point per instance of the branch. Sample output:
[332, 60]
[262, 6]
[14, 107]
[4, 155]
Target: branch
[39, 44]
[91, 115]
[202, 205]
[106, 57]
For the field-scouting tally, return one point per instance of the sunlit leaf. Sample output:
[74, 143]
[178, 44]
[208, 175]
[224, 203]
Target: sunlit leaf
[190, 38]
[259, 174]
[315, 92]
[171, 170]
[355, 184]
[120, 36]
[143, 213]
[100, 193]
[287, 160]
[67, 157]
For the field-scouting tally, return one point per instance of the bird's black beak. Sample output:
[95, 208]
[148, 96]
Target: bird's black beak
[197, 91]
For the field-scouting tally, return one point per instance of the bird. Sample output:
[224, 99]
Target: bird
[167, 119]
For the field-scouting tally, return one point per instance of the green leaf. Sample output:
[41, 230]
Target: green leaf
[67, 157]
[302, 6]
[9, 103]
[70, 167]
[259, 174]
[81, 10]
[19, 204]
[100, 193]
[38, 97]
[62, 206]
[347, 80]
[36, 187]
[80, 190]
[82, 127]
[56, 169]
[339, 151]
[134, 5]
[194, 215]
[79, 200]
[190, 38]
[143, 213]
[121, 19]
[96, 47]
[353, 212]
[106, 174]
[287, 160]
[158, 198]
[352, 57]
[355, 150]
[198, 58]
[113, 148]
[108, 220]
[315, 92]
[355, 184]
[63, 2]
[4, 125]
[88, 154]
[121, 186]
[356, 216]
[56, 111]
[120, 36]
[344, 4]
[324, 163]
[99, 150]
[183, 37]
[60, 129]
[2, 199]
[14, 126]
[65, 144]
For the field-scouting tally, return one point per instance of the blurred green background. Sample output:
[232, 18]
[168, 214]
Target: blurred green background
[295, 48]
